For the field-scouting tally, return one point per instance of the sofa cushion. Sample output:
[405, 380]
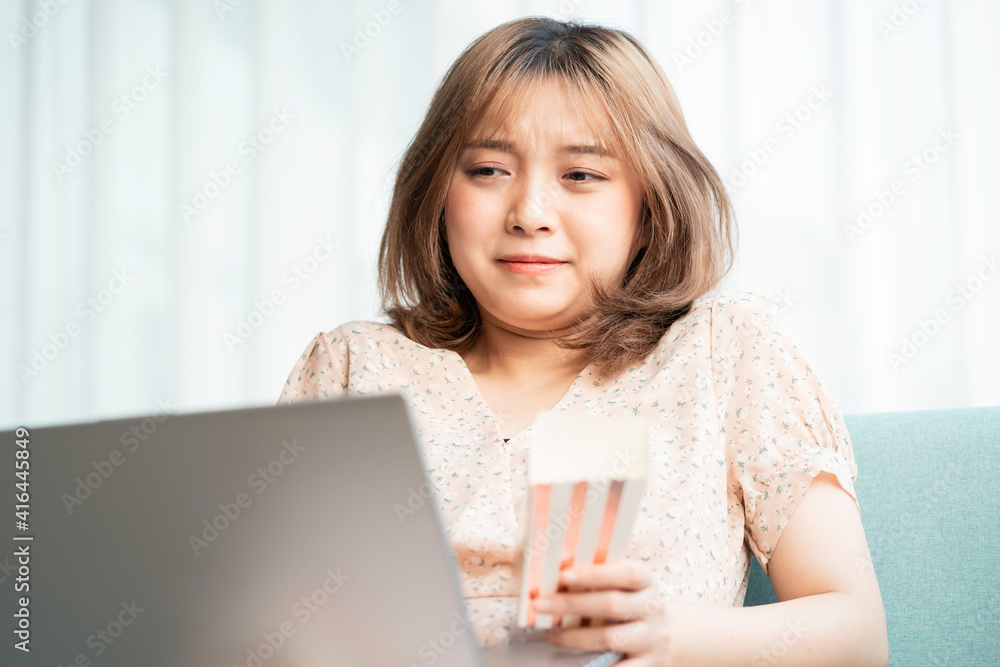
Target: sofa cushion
[929, 490]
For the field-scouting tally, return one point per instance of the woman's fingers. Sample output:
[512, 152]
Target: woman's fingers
[623, 573]
[634, 638]
[612, 606]
[624, 594]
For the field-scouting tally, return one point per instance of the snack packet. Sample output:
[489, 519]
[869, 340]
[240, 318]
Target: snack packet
[586, 477]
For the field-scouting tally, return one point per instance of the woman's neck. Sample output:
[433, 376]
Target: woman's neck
[521, 356]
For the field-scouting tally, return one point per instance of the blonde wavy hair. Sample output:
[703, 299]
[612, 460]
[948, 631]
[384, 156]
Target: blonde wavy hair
[687, 215]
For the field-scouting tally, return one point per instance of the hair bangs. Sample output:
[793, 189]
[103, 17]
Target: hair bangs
[501, 108]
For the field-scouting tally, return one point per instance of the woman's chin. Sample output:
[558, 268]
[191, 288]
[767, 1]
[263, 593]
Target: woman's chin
[539, 320]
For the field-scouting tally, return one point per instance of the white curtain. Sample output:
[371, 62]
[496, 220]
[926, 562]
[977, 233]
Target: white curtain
[191, 190]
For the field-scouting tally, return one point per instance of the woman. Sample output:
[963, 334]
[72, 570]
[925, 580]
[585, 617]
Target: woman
[554, 242]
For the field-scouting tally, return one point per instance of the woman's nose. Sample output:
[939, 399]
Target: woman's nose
[534, 207]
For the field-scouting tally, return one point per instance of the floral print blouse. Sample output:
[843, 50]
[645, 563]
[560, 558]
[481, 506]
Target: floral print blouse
[739, 426]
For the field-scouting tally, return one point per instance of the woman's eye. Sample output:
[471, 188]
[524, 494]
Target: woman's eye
[578, 176]
[478, 171]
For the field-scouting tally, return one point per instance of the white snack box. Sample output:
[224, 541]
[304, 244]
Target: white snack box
[586, 477]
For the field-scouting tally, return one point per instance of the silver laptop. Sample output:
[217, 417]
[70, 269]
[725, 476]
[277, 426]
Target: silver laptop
[262, 537]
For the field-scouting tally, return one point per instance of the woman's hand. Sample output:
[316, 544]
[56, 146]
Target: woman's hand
[622, 592]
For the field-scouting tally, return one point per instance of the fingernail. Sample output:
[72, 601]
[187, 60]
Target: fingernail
[541, 604]
[569, 576]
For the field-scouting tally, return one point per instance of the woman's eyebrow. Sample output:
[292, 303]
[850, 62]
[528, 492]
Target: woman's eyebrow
[588, 149]
[508, 147]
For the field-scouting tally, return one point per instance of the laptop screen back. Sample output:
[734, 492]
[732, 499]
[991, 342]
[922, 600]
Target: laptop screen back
[253, 538]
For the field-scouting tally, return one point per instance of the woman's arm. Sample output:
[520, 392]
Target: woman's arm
[829, 609]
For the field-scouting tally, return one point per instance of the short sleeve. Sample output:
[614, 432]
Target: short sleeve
[321, 371]
[781, 426]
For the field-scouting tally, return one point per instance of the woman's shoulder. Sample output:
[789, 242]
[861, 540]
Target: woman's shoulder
[333, 357]
[733, 302]
[363, 331]
[359, 339]
[337, 345]
[742, 302]
[724, 311]
[720, 322]
[750, 317]
[714, 322]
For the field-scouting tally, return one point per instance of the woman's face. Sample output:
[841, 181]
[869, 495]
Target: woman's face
[532, 221]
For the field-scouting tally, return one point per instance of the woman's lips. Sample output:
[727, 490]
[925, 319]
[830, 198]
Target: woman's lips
[534, 264]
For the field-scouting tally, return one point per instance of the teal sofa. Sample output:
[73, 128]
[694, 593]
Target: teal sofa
[929, 490]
